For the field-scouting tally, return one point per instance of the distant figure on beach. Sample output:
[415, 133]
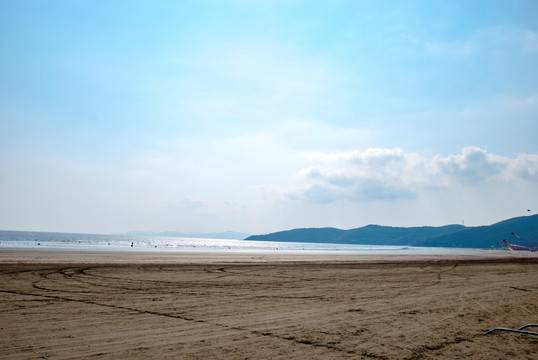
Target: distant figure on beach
[131, 244]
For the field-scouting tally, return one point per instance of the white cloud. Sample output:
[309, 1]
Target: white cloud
[501, 38]
[530, 41]
[472, 165]
[523, 103]
[372, 155]
[388, 174]
[525, 167]
[186, 203]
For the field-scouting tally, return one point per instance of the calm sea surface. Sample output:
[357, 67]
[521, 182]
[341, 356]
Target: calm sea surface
[27, 239]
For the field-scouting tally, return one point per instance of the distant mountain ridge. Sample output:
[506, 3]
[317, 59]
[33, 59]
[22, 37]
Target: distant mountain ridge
[486, 236]
[442, 236]
[230, 235]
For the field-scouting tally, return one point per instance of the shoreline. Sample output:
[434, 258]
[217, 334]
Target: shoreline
[112, 256]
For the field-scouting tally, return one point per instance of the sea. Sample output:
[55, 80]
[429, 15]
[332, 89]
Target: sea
[50, 240]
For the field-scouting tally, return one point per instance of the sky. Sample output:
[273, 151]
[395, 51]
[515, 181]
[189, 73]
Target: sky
[260, 116]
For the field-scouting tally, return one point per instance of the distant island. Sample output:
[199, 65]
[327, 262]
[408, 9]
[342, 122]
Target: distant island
[229, 235]
[481, 237]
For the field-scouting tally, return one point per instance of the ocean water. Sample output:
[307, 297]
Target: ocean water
[27, 239]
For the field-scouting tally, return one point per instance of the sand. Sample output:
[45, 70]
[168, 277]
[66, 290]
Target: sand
[72, 305]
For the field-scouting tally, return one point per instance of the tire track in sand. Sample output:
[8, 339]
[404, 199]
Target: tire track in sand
[261, 334]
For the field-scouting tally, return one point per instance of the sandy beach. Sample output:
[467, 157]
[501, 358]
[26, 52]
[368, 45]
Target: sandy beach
[120, 305]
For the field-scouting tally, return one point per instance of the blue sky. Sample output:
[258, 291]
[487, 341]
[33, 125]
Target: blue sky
[260, 116]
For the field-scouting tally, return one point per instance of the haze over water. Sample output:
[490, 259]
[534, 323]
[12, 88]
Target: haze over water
[41, 240]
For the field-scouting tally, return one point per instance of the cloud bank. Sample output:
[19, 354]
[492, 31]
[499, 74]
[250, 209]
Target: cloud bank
[389, 174]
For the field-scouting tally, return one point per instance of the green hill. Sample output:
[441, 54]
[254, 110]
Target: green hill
[311, 235]
[486, 236]
[443, 236]
[387, 235]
